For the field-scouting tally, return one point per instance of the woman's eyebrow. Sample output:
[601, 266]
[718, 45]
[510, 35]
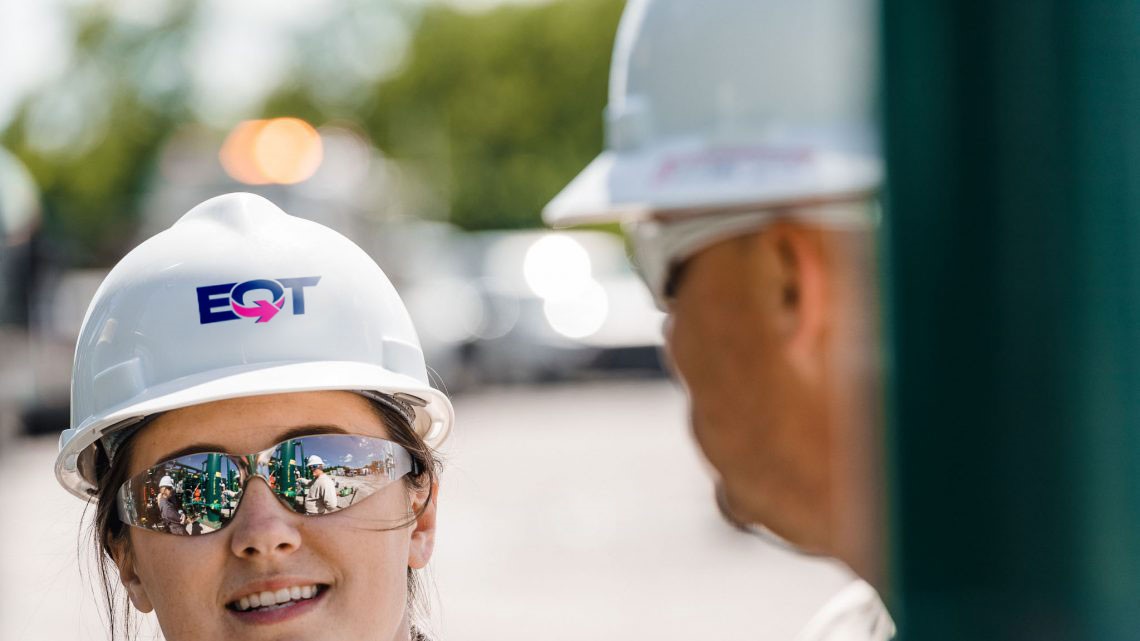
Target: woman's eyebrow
[197, 448]
[310, 430]
[303, 430]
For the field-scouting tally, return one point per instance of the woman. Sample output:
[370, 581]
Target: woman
[216, 359]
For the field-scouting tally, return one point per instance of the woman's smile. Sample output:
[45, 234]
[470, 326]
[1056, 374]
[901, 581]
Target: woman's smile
[265, 603]
[274, 592]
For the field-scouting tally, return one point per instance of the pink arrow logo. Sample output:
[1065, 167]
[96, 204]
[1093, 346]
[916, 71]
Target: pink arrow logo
[263, 310]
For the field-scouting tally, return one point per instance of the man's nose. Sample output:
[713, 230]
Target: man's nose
[262, 527]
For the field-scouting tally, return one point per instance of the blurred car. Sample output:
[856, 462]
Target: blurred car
[559, 304]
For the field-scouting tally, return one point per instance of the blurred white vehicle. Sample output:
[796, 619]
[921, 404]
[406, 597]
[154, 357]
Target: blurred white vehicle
[556, 303]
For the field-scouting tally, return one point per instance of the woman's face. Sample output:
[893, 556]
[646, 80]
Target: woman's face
[191, 581]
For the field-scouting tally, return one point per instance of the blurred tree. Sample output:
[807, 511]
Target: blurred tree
[91, 140]
[500, 110]
[496, 111]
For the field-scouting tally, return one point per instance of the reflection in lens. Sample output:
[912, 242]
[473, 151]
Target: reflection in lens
[328, 473]
[199, 493]
[191, 495]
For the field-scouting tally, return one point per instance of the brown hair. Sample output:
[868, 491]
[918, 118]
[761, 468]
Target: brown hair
[110, 532]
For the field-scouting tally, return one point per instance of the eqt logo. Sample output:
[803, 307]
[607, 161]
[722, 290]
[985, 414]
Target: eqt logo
[260, 298]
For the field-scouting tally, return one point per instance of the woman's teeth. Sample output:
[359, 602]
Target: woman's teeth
[281, 597]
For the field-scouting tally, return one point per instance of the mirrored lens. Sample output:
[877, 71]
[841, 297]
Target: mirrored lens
[199, 493]
[193, 494]
[328, 473]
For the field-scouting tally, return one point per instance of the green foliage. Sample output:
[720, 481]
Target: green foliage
[501, 109]
[92, 186]
[92, 198]
[497, 111]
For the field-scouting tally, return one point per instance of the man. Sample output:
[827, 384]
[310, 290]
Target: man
[741, 161]
[321, 496]
[169, 508]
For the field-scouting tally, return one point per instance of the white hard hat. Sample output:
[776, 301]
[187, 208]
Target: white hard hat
[316, 460]
[166, 481]
[732, 104]
[237, 299]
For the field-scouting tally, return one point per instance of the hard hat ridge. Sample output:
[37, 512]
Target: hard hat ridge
[239, 211]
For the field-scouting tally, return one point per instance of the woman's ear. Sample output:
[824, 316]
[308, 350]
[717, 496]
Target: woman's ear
[124, 560]
[423, 534]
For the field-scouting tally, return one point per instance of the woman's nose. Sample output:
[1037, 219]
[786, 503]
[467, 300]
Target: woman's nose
[262, 527]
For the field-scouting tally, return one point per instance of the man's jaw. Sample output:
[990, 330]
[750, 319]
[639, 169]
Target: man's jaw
[724, 504]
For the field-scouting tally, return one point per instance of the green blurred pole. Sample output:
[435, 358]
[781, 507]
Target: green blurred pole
[213, 493]
[1013, 238]
[289, 463]
[213, 479]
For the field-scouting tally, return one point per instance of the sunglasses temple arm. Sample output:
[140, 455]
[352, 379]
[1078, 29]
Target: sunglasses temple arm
[405, 464]
[120, 504]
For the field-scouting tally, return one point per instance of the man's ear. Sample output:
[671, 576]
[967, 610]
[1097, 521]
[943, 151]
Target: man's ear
[797, 284]
[423, 534]
[124, 560]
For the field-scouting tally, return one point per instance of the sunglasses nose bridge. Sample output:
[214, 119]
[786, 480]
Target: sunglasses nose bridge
[266, 503]
[253, 466]
[260, 465]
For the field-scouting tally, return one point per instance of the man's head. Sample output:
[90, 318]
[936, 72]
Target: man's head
[166, 487]
[749, 197]
[773, 332]
[316, 466]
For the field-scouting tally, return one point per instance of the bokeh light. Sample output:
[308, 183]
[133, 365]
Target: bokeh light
[280, 151]
[557, 266]
[580, 315]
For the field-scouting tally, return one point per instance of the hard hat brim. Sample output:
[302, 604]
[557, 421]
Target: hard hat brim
[74, 466]
[682, 177]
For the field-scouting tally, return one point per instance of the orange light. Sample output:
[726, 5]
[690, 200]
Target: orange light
[237, 156]
[288, 150]
[281, 150]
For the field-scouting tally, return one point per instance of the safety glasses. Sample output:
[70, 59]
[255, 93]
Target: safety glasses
[661, 247]
[200, 493]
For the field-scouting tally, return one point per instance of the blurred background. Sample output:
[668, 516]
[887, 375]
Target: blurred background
[431, 133]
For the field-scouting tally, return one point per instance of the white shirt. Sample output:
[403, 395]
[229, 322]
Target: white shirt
[321, 496]
[855, 613]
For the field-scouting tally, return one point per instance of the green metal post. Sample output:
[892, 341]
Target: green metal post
[1013, 239]
[212, 492]
[289, 464]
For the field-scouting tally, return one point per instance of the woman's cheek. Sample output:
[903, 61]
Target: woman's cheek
[372, 573]
[181, 578]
